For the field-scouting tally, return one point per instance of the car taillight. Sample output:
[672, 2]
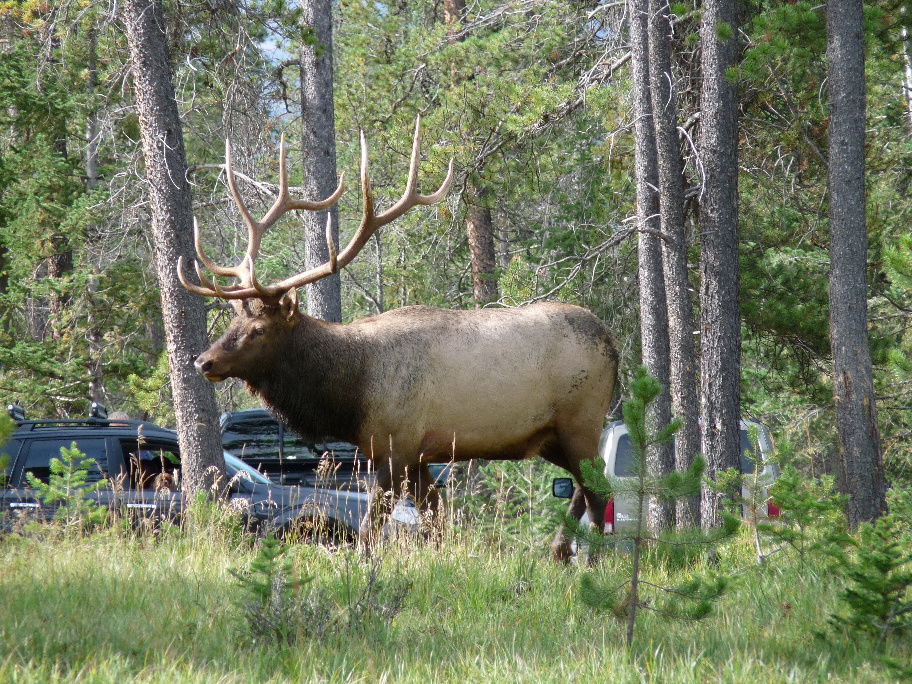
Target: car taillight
[773, 510]
[609, 517]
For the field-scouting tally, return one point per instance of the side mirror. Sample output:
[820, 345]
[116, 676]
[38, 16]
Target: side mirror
[562, 487]
[441, 475]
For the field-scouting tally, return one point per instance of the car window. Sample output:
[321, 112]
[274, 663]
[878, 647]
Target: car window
[237, 468]
[41, 451]
[750, 454]
[151, 465]
[625, 460]
[258, 438]
[7, 455]
[624, 465]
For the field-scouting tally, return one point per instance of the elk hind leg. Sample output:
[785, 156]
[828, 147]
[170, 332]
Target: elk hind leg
[562, 547]
[568, 453]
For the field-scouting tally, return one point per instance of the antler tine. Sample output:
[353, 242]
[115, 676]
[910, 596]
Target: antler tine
[285, 202]
[262, 291]
[195, 289]
[212, 288]
[410, 196]
[233, 272]
[370, 221]
[254, 228]
[333, 255]
[218, 290]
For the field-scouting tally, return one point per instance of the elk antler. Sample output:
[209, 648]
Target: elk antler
[248, 287]
[244, 271]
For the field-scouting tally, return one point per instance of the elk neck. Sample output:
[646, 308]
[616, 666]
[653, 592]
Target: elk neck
[313, 383]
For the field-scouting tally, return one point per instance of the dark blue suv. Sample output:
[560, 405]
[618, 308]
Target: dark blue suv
[137, 473]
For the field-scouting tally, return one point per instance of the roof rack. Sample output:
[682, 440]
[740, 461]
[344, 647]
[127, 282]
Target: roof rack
[98, 417]
[51, 423]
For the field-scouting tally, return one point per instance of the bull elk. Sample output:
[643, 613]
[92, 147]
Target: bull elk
[415, 385]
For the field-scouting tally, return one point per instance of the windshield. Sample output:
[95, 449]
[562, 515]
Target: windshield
[625, 457]
[263, 437]
[236, 466]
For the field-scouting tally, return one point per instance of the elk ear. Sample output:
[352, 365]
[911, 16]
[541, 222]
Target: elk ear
[288, 305]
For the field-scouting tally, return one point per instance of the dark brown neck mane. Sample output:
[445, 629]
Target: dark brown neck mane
[312, 383]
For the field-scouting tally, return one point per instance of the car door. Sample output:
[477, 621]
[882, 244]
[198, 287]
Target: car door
[21, 502]
[9, 452]
[147, 480]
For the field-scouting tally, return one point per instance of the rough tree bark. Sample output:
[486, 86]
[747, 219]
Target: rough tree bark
[93, 333]
[653, 307]
[318, 136]
[853, 385]
[479, 222]
[482, 254]
[685, 402]
[720, 326]
[172, 231]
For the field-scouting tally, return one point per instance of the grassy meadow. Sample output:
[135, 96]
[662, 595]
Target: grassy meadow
[116, 606]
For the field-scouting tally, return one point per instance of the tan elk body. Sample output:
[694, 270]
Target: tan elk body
[416, 385]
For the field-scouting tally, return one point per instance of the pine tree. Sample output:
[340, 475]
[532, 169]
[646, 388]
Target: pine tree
[692, 599]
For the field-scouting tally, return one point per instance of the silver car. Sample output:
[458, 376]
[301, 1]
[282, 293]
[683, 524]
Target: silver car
[616, 451]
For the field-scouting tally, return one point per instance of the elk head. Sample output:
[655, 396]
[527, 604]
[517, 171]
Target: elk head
[266, 314]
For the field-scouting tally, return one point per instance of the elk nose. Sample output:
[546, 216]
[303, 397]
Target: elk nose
[202, 367]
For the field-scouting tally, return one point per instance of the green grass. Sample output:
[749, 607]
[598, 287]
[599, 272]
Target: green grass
[116, 607]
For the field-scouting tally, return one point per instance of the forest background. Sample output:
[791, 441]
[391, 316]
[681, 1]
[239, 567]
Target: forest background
[533, 101]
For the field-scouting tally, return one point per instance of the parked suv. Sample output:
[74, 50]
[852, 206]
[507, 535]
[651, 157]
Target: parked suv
[616, 451]
[137, 471]
[254, 436]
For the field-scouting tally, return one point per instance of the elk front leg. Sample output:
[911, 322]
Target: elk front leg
[387, 489]
[422, 489]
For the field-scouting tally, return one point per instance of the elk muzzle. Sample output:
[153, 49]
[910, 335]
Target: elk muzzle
[205, 366]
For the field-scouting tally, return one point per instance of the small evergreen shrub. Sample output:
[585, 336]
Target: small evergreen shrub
[878, 597]
[812, 518]
[279, 607]
[68, 486]
[691, 599]
[269, 592]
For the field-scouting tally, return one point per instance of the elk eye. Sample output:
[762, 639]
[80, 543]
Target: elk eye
[257, 331]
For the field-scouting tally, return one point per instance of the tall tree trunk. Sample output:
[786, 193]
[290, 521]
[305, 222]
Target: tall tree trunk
[60, 262]
[172, 225]
[479, 222]
[453, 11]
[318, 136]
[91, 158]
[58, 266]
[93, 333]
[853, 384]
[683, 375]
[482, 254]
[720, 326]
[653, 306]
[907, 73]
